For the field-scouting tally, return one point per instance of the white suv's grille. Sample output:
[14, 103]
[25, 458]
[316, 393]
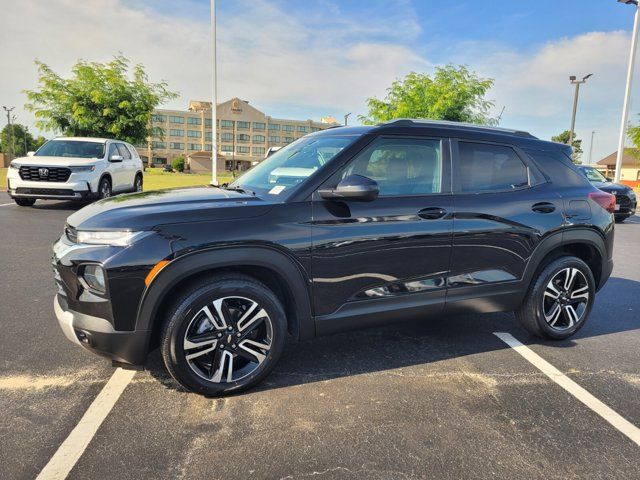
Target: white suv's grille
[45, 174]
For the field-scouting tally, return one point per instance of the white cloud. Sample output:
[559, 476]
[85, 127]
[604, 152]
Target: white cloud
[320, 63]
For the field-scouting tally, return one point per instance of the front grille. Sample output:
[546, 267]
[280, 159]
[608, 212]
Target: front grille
[71, 233]
[623, 201]
[45, 174]
[58, 192]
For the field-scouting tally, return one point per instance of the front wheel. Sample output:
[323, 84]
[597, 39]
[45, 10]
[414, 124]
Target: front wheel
[25, 202]
[559, 300]
[224, 335]
[104, 188]
[137, 183]
[620, 218]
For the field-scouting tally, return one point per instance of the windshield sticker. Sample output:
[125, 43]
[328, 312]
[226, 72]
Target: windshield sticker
[277, 189]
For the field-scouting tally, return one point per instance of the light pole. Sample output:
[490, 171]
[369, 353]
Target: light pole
[13, 134]
[627, 92]
[593, 132]
[10, 131]
[214, 100]
[577, 83]
[346, 119]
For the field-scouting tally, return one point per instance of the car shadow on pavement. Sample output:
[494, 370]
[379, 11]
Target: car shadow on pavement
[51, 205]
[406, 344]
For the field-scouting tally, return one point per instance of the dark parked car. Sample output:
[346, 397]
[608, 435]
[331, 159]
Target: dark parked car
[626, 201]
[358, 226]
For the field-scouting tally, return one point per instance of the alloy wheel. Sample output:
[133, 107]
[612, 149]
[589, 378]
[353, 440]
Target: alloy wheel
[138, 186]
[105, 190]
[565, 299]
[228, 339]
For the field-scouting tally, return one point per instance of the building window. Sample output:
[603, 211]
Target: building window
[156, 144]
[259, 138]
[242, 149]
[287, 139]
[315, 129]
[259, 126]
[207, 122]
[176, 132]
[158, 160]
[243, 137]
[274, 127]
[194, 121]
[175, 119]
[302, 129]
[158, 118]
[287, 128]
[274, 139]
[176, 146]
[194, 134]
[207, 136]
[208, 147]
[227, 137]
[226, 148]
[194, 146]
[226, 124]
[243, 125]
[258, 151]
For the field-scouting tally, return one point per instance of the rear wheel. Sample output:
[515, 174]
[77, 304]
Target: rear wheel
[560, 299]
[224, 335]
[25, 202]
[621, 218]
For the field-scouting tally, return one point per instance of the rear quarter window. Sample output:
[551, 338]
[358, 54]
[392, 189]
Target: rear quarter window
[558, 167]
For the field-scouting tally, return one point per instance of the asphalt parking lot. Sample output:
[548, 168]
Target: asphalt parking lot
[441, 398]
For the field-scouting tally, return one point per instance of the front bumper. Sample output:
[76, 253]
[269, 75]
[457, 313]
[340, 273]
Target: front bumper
[78, 187]
[98, 335]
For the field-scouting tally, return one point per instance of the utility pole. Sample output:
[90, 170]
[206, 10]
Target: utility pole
[214, 100]
[346, 119]
[577, 83]
[627, 92]
[501, 112]
[593, 132]
[13, 134]
[10, 131]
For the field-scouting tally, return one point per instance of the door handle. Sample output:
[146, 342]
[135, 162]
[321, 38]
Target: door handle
[543, 207]
[432, 213]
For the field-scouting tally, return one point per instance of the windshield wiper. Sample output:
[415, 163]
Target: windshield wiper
[237, 189]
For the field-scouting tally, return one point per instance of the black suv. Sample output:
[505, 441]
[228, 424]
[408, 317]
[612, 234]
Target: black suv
[344, 228]
[626, 201]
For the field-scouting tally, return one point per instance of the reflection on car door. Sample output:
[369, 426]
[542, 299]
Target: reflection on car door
[390, 256]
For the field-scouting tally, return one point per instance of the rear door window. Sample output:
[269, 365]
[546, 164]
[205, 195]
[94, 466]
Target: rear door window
[484, 167]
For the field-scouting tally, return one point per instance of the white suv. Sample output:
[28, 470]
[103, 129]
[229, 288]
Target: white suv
[73, 168]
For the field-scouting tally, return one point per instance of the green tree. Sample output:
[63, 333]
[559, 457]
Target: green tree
[98, 100]
[452, 93]
[19, 137]
[178, 163]
[576, 144]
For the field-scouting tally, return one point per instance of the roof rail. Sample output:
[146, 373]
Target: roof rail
[408, 122]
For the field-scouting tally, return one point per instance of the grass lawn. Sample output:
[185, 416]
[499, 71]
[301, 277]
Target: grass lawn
[155, 179]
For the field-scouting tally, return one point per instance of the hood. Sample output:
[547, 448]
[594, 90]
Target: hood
[54, 161]
[611, 187]
[146, 210]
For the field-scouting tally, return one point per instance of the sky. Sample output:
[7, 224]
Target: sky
[310, 59]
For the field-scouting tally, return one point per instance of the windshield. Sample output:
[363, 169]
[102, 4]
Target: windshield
[71, 148]
[593, 175]
[291, 165]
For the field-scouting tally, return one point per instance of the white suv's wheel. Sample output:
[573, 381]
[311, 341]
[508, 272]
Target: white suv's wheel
[104, 188]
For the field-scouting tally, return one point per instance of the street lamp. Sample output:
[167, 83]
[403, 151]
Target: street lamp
[593, 132]
[627, 92]
[577, 83]
[346, 119]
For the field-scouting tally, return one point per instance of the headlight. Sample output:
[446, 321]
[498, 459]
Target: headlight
[113, 238]
[94, 276]
[83, 168]
[14, 165]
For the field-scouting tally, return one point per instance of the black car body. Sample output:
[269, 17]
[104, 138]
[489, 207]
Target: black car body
[626, 200]
[442, 236]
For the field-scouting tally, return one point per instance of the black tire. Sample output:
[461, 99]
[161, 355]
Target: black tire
[104, 188]
[137, 183]
[25, 202]
[532, 312]
[188, 309]
[620, 218]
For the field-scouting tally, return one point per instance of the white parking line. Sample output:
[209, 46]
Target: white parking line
[616, 420]
[6, 204]
[72, 448]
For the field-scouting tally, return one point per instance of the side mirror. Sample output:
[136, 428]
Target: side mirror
[116, 158]
[609, 179]
[30, 154]
[353, 187]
